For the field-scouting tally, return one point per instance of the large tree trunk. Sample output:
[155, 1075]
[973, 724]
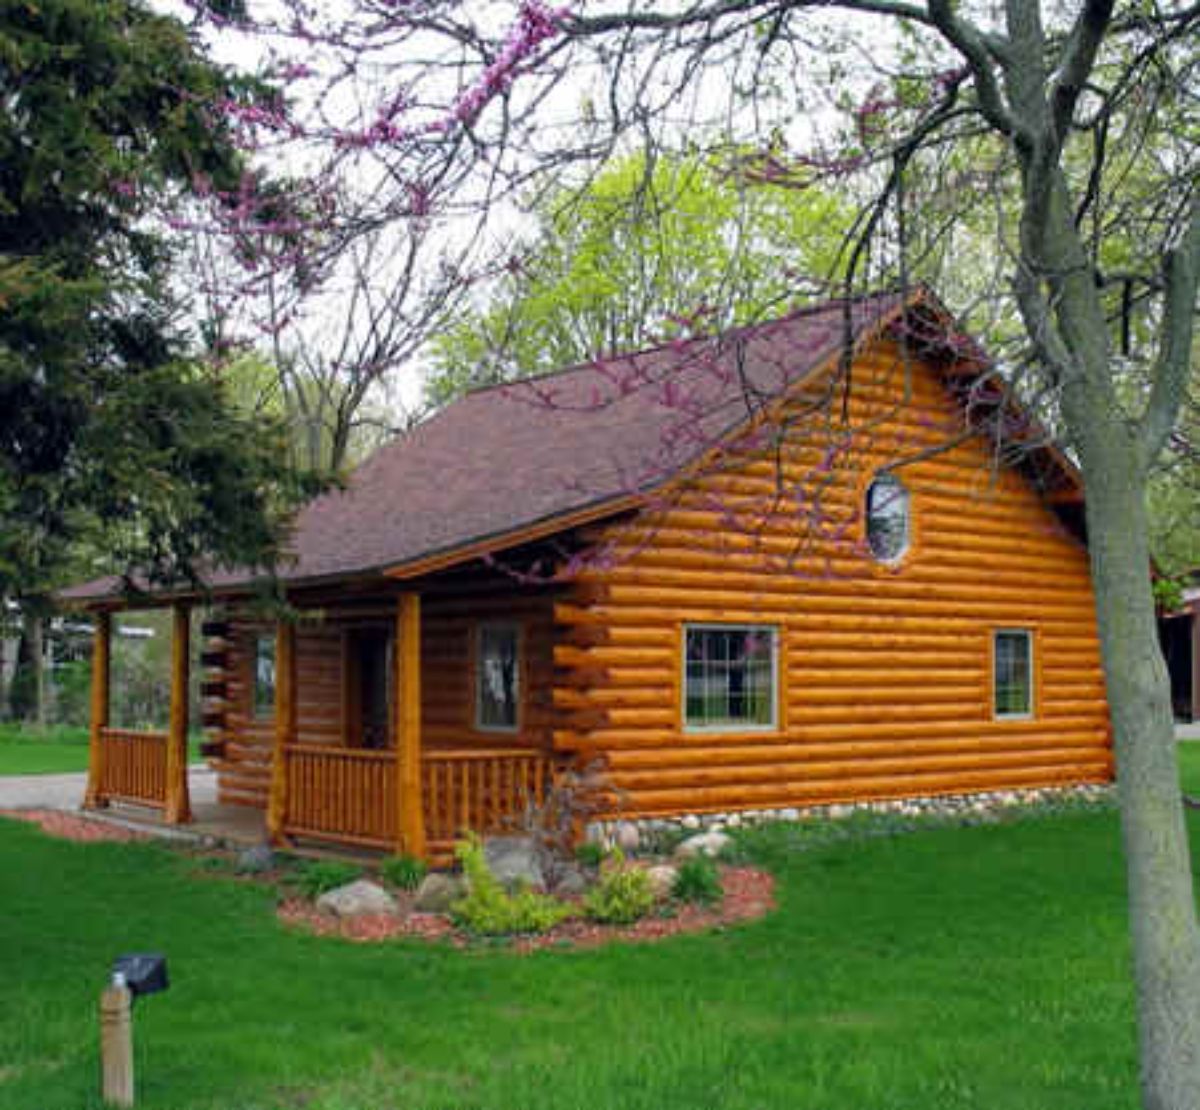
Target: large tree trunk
[1166, 941]
[27, 691]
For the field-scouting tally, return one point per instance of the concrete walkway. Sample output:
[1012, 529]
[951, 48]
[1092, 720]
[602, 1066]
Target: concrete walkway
[1188, 732]
[212, 824]
[66, 791]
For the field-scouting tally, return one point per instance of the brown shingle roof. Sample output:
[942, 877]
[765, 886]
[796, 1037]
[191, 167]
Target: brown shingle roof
[502, 460]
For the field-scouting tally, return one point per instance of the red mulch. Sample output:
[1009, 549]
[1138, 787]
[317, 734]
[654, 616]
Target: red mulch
[749, 894]
[69, 826]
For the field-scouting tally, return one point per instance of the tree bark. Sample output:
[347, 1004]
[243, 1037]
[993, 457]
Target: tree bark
[1166, 941]
[27, 691]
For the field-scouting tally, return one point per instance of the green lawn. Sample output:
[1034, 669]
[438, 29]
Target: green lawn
[26, 751]
[952, 967]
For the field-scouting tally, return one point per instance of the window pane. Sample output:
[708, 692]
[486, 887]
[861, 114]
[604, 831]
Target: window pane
[497, 676]
[887, 518]
[729, 678]
[1012, 678]
[264, 676]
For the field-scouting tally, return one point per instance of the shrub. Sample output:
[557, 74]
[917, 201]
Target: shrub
[623, 894]
[576, 796]
[590, 854]
[697, 881]
[406, 872]
[318, 876]
[489, 910]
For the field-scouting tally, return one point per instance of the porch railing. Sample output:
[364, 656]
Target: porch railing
[342, 794]
[348, 795]
[481, 789]
[134, 766]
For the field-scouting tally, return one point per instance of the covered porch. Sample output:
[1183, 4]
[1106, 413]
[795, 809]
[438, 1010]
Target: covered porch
[345, 780]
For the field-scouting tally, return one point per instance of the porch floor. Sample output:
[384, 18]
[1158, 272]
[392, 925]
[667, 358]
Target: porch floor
[233, 825]
[227, 825]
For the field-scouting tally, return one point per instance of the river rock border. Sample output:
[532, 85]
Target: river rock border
[631, 835]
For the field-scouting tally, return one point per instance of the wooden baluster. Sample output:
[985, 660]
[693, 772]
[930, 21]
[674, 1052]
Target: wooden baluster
[446, 828]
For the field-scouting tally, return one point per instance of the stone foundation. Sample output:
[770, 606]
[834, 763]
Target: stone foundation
[629, 834]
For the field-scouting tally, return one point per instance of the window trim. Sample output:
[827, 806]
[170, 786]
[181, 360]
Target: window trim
[1030, 635]
[729, 727]
[265, 712]
[902, 554]
[518, 676]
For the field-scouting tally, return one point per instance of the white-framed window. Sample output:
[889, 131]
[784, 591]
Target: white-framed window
[888, 513]
[497, 677]
[730, 677]
[263, 676]
[1012, 673]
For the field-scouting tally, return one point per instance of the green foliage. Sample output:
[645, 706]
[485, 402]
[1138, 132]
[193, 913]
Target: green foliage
[590, 853]
[489, 910]
[697, 881]
[110, 436]
[623, 894]
[1168, 594]
[315, 877]
[646, 242]
[406, 872]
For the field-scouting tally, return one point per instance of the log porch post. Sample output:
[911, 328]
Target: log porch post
[410, 823]
[101, 669]
[178, 802]
[285, 727]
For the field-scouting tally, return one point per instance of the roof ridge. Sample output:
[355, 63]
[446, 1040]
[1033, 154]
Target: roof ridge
[732, 332]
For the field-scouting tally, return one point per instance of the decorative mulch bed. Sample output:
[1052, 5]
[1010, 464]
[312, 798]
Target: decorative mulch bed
[69, 826]
[749, 894]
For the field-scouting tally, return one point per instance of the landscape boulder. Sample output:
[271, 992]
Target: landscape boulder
[627, 837]
[662, 880]
[514, 861]
[255, 860]
[357, 898]
[571, 882]
[438, 892]
[709, 844]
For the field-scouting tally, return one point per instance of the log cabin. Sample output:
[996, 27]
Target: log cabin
[817, 560]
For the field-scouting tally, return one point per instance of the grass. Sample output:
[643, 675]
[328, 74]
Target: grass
[27, 751]
[956, 967]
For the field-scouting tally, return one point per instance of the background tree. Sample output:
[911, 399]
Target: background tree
[113, 440]
[654, 245]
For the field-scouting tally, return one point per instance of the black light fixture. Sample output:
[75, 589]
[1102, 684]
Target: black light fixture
[141, 972]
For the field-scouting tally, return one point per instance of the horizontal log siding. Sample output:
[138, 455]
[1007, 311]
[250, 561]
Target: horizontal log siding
[448, 668]
[447, 683]
[244, 770]
[884, 672]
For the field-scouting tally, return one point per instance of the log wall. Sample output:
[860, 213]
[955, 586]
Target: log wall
[884, 671]
[448, 634]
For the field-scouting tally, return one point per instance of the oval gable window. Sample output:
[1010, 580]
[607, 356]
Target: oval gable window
[887, 518]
